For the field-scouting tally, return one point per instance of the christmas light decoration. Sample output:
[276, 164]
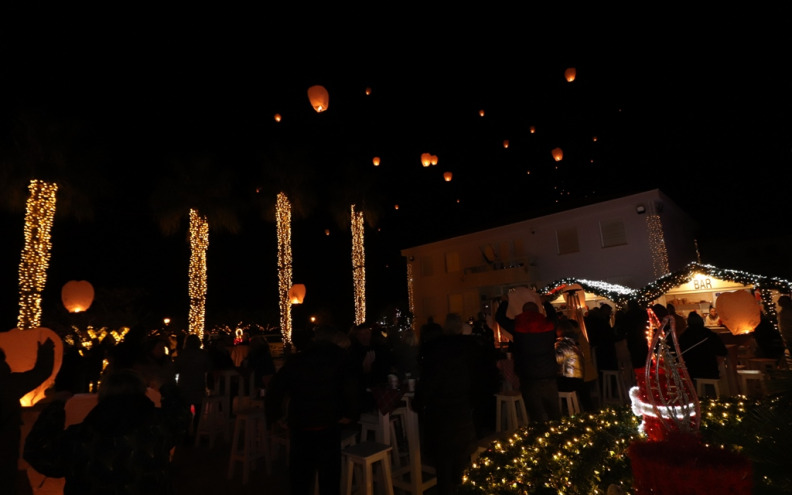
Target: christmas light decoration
[619, 294]
[657, 245]
[199, 243]
[36, 252]
[358, 266]
[410, 289]
[283, 218]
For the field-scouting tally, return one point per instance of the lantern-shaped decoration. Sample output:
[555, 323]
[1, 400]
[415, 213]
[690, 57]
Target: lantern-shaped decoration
[277, 117]
[739, 311]
[506, 143]
[558, 154]
[481, 112]
[376, 161]
[532, 129]
[368, 91]
[433, 159]
[570, 74]
[319, 98]
[327, 231]
[77, 295]
[426, 159]
[396, 207]
[297, 294]
[21, 350]
[448, 176]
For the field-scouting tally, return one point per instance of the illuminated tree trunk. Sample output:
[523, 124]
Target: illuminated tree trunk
[199, 242]
[283, 218]
[36, 252]
[358, 266]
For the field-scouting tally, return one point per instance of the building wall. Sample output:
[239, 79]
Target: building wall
[612, 243]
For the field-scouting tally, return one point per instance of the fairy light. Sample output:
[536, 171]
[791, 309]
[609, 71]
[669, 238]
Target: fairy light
[199, 242]
[358, 266]
[657, 245]
[410, 289]
[36, 252]
[283, 220]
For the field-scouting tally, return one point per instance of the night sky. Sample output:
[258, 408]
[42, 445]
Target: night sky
[133, 116]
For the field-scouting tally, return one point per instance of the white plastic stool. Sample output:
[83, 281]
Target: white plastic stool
[703, 383]
[613, 389]
[214, 419]
[249, 443]
[364, 456]
[570, 399]
[375, 423]
[749, 376]
[515, 412]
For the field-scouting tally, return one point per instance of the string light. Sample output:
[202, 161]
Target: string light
[33, 266]
[657, 245]
[283, 218]
[358, 266]
[410, 289]
[199, 243]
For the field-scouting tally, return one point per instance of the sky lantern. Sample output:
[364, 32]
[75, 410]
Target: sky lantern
[505, 143]
[426, 159]
[277, 117]
[433, 159]
[532, 129]
[448, 176]
[376, 161]
[558, 154]
[297, 293]
[319, 97]
[570, 74]
[327, 231]
[739, 311]
[21, 350]
[481, 112]
[368, 91]
[77, 295]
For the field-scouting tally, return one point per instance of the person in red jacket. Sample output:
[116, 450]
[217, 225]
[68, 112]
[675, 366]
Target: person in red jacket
[534, 359]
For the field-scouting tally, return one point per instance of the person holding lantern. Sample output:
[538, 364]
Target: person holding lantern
[14, 386]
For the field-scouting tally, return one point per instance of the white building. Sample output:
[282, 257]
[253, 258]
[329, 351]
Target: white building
[629, 241]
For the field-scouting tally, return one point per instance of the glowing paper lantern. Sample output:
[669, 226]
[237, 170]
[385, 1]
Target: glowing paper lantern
[481, 112]
[319, 98]
[505, 143]
[448, 176]
[426, 159]
[277, 117]
[519, 296]
[368, 91]
[297, 294]
[558, 154]
[532, 129]
[376, 161]
[21, 348]
[77, 295]
[433, 159]
[570, 74]
[739, 311]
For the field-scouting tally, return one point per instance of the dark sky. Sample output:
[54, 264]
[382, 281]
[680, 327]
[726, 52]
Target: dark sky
[112, 109]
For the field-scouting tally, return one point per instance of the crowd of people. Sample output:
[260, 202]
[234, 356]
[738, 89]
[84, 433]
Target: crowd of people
[329, 379]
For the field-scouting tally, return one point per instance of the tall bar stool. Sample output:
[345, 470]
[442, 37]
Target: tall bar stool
[613, 388]
[364, 457]
[383, 427]
[569, 401]
[512, 406]
[214, 419]
[752, 383]
[249, 443]
[702, 385]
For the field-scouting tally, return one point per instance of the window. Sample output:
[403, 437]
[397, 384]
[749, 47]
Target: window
[612, 233]
[567, 240]
[452, 262]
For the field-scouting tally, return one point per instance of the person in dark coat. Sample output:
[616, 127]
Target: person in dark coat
[14, 386]
[446, 398]
[534, 359]
[123, 445]
[701, 349]
[317, 390]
